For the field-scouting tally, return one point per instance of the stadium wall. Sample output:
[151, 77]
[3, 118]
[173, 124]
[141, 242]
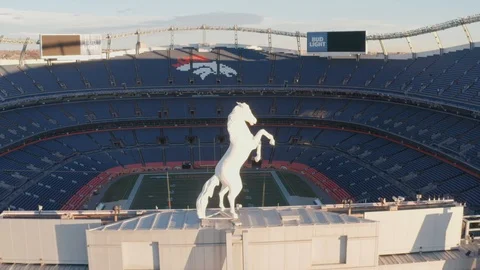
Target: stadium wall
[332, 246]
[173, 239]
[418, 230]
[44, 241]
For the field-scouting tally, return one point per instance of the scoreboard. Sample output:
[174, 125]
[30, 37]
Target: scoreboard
[70, 46]
[342, 41]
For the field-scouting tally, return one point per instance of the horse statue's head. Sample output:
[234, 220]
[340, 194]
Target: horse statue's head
[243, 110]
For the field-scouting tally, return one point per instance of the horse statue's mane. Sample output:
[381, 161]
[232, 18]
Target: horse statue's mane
[227, 171]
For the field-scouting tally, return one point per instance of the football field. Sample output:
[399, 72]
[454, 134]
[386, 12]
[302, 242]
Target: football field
[148, 191]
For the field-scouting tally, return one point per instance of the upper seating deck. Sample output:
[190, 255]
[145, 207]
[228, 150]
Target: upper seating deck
[451, 77]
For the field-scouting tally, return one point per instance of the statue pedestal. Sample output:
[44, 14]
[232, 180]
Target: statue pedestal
[220, 220]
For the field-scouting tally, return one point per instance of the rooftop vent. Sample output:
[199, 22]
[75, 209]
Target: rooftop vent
[289, 216]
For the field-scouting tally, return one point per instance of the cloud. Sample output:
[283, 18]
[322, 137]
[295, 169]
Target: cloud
[215, 18]
[336, 24]
[125, 10]
[13, 21]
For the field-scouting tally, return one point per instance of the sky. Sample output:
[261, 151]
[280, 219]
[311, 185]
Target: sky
[31, 17]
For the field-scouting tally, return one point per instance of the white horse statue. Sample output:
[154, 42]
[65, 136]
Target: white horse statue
[227, 171]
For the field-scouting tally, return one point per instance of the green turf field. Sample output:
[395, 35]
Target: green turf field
[185, 187]
[295, 185]
[120, 189]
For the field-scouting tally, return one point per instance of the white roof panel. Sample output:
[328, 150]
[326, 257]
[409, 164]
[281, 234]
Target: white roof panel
[250, 217]
[16, 266]
[305, 216]
[146, 222]
[130, 224]
[421, 257]
[271, 217]
[177, 220]
[162, 220]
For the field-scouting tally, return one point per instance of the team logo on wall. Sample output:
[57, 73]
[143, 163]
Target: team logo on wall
[203, 67]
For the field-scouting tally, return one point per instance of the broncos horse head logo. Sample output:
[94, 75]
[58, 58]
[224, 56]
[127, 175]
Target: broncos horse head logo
[203, 68]
[226, 70]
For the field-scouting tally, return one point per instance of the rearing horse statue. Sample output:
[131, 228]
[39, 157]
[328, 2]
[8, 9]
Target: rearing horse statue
[227, 171]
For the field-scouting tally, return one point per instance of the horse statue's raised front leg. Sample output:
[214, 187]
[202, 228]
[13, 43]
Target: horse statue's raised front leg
[257, 140]
[259, 152]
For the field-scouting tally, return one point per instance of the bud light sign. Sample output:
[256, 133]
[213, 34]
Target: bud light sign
[317, 42]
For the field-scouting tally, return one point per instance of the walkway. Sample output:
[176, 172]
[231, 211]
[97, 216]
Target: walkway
[135, 188]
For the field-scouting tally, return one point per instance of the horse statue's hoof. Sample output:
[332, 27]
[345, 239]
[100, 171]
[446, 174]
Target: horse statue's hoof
[257, 158]
[272, 142]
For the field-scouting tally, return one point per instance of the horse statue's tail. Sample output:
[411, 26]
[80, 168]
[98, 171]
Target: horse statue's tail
[207, 192]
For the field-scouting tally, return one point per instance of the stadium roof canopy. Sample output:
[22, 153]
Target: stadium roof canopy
[409, 33]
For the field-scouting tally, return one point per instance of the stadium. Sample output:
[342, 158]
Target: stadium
[376, 163]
